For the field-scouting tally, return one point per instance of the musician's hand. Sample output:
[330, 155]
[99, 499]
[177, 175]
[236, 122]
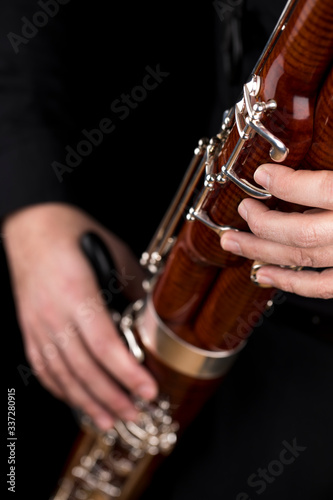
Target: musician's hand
[290, 239]
[70, 340]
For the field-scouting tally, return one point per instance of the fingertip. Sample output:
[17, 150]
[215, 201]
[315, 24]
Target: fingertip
[104, 422]
[262, 176]
[226, 235]
[242, 209]
[130, 415]
[264, 278]
[147, 391]
[229, 244]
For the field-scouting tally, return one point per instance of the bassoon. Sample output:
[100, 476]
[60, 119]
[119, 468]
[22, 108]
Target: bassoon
[201, 303]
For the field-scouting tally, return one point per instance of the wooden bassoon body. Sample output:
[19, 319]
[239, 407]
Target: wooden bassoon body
[201, 302]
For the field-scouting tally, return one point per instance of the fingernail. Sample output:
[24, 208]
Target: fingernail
[146, 392]
[242, 210]
[104, 422]
[264, 279]
[231, 245]
[262, 177]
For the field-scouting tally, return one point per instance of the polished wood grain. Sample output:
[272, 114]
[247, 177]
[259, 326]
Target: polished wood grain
[320, 154]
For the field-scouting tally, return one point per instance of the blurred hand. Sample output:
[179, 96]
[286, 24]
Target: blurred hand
[70, 340]
[297, 239]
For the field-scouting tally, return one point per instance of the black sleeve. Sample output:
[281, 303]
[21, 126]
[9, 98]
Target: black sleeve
[34, 117]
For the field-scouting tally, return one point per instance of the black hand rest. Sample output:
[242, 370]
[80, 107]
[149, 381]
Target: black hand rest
[105, 270]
